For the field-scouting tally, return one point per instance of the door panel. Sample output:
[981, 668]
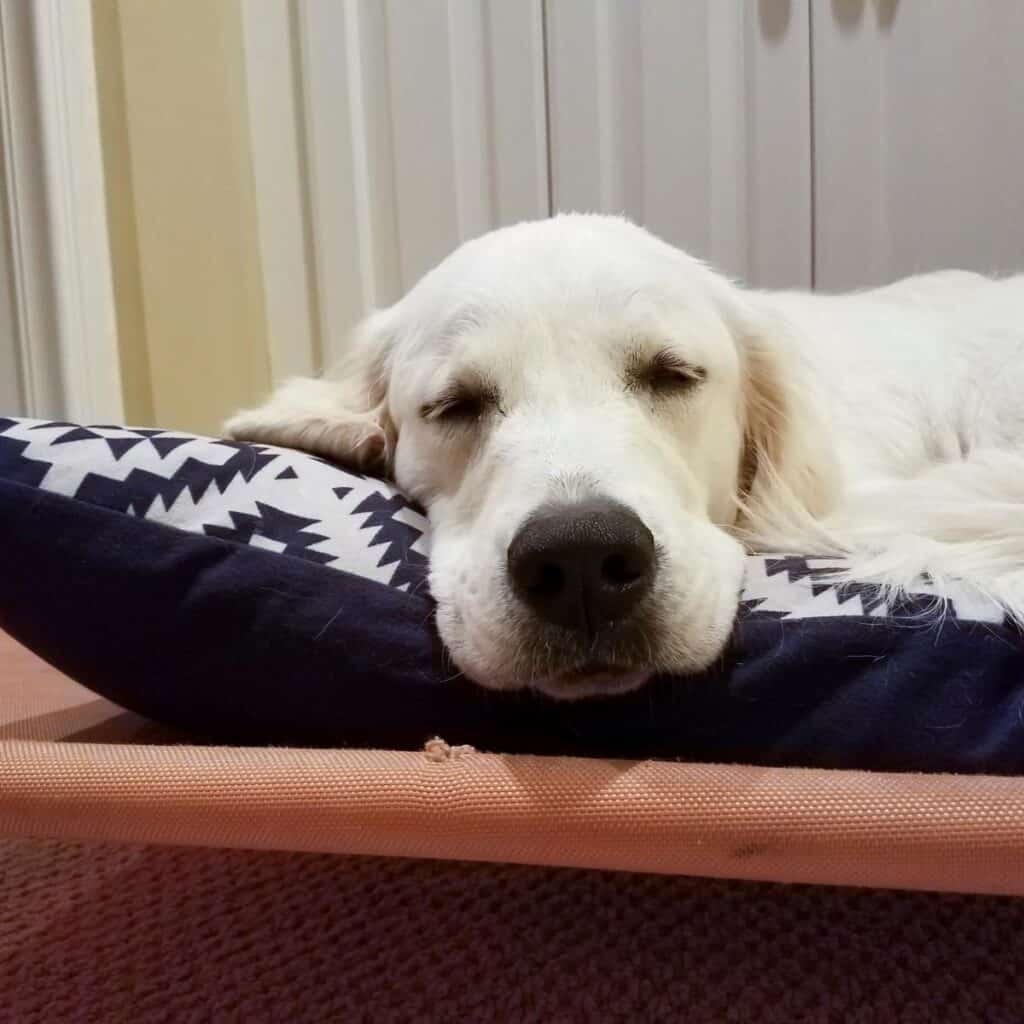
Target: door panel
[918, 138]
[692, 118]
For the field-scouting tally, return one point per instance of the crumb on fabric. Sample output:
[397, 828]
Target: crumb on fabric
[437, 750]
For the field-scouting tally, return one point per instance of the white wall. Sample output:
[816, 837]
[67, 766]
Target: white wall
[12, 397]
[919, 147]
[692, 118]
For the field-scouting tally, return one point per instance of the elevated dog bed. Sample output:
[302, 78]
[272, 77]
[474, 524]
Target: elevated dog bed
[259, 604]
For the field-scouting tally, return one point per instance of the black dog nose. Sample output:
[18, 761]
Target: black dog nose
[582, 566]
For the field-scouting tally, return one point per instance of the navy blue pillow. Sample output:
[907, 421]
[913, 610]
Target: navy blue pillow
[250, 594]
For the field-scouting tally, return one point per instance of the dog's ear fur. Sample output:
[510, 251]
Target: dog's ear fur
[342, 416]
[788, 476]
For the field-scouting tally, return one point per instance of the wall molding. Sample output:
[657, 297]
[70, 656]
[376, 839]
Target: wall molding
[277, 134]
[30, 316]
[61, 276]
[77, 210]
[346, 103]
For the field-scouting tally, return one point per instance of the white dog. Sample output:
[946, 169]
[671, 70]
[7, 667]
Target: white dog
[598, 424]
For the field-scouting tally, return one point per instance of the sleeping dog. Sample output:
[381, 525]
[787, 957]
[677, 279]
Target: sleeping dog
[599, 425]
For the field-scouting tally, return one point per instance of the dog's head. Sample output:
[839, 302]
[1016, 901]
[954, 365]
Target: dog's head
[582, 409]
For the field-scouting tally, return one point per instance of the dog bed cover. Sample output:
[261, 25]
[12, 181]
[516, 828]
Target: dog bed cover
[252, 594]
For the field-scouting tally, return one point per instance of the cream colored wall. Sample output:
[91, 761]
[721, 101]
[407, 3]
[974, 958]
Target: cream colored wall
[182, 210]
[124, 242]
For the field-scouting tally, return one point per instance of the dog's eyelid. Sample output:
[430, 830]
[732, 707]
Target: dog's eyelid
[668, 361]
[665, 371]
[460, 402]
[445, 404]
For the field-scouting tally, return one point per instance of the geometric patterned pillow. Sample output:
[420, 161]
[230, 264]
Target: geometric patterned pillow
[272, 498]
[284, 501]
[257, 594]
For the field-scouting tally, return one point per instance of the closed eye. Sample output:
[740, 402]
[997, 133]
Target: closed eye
[459, 404]
[664, 373]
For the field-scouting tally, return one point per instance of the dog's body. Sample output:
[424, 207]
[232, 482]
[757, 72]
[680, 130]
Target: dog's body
[597, 423]
[919, 386]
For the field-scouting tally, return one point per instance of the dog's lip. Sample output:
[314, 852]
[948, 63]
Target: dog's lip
[594, 680]
[592, 670]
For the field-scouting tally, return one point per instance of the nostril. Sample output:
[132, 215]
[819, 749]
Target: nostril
[621, 570]
[548, 580]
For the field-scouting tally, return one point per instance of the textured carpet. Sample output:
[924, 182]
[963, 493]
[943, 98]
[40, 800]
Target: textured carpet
[108, 934]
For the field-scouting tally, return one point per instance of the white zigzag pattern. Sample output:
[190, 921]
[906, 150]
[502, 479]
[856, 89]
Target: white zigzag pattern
[793, 598]
[73, 463]
[309, 494]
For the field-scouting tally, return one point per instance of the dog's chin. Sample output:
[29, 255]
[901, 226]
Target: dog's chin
[591, 683]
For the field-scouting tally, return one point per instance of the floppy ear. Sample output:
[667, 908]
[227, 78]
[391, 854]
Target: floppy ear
[788, 474]
[342, 415]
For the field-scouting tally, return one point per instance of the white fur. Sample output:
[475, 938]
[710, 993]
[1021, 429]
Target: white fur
[887, 425]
